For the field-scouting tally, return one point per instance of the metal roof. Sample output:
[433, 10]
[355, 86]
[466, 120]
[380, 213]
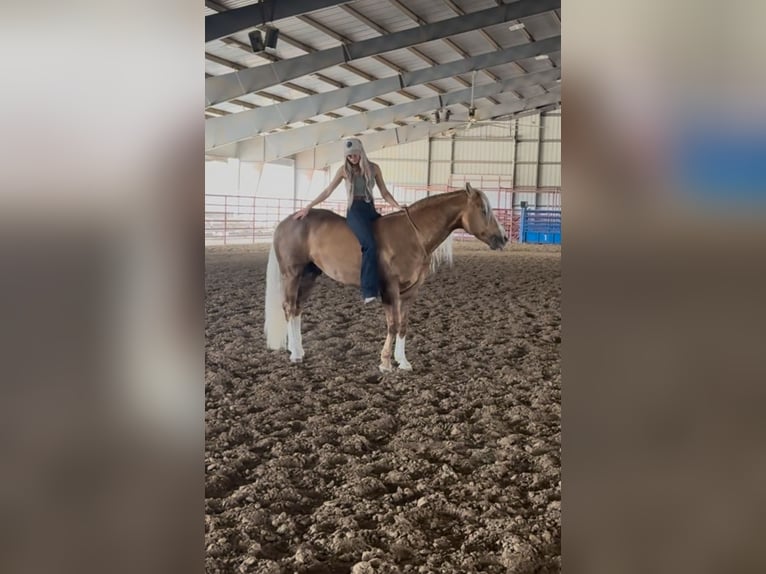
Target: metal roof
[364, 67]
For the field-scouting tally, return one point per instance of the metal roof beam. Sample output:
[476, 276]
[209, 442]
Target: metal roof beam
[306, 48]
[293, 141]
[345, 41]
[451, 43]
[238, 19]
[244, 125]
[323, 155]
[492, 42]
[382, 31]
[327, 154]
[225, 87]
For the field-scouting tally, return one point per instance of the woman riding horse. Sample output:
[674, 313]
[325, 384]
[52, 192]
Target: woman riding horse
[360, 175]
[409, 242]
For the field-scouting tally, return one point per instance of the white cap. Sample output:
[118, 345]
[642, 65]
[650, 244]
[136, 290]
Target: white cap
[352, 146]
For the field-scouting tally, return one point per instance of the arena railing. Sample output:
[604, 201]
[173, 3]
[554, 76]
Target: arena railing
[242, 219]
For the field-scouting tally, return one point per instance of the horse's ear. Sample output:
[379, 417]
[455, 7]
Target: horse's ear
[471, 190]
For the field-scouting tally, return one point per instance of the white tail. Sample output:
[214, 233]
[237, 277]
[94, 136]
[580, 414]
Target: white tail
[442, 255]
[275, 325]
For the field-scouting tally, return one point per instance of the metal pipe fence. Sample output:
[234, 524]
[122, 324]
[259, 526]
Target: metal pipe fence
[242, 219]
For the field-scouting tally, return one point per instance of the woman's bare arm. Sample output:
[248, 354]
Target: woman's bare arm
[326, 192]
[383, 189]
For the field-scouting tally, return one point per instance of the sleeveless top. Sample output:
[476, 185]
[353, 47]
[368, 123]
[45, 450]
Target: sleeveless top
[358, 190]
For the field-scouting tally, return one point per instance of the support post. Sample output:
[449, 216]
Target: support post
[225, 218]
[523, 223]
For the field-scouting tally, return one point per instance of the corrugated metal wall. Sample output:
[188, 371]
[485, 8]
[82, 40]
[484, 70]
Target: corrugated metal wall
[550, 150]
[527, 150]
[403, 164]
[441, 160]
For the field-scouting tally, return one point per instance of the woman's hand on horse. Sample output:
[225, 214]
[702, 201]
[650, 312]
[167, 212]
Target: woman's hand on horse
[301, 213]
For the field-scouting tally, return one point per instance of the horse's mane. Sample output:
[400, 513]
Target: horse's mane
[437, 197]
[442, 255]
[420, 203]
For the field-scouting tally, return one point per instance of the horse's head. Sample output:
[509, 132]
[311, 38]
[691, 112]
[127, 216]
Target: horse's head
[478, 219]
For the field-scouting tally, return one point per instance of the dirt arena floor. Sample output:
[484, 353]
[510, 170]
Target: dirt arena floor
[331, 467]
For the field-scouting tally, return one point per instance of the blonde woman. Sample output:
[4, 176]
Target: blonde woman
[360, 175]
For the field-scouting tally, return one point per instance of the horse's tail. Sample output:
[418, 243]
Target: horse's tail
[275, 325]
[442, 255]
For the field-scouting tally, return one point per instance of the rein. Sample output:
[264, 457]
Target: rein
[418, 235]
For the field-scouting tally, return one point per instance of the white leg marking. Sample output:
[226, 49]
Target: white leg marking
[294, 343]
[298, 337]
[399, 354]
[290, 337]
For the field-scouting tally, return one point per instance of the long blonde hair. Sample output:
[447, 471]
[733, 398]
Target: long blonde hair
[365, 166]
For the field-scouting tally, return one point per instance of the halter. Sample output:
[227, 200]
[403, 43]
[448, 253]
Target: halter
[418, 235]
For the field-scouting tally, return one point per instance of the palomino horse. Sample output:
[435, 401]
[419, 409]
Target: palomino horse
[322, 243]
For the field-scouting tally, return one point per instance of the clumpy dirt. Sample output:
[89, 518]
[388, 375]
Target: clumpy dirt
[331, 467]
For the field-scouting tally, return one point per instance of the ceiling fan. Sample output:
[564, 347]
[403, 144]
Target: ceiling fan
[468, 121]
[472, 119]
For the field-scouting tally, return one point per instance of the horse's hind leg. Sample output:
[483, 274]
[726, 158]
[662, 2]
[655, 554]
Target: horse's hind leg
[305, 285]
[291, 281]
[308, 279]
[298, 285]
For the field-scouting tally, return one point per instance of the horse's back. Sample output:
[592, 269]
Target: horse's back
[291, 234]
[323, 238]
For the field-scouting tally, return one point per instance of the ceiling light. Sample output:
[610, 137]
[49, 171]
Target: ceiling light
[259, 43]
[514, 27]
[272, 35]
[256, 41]
[542, 57]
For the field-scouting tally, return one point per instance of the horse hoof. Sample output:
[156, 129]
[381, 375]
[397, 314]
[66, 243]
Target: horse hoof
[405, 367]
[385, 369]
[295, 360]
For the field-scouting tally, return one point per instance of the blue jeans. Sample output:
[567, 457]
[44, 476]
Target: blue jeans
[360, 217]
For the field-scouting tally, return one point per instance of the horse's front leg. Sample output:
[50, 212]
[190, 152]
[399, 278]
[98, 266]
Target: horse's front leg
[385, 354]
[401, 335]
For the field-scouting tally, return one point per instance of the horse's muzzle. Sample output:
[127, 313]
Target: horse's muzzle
[498, 242]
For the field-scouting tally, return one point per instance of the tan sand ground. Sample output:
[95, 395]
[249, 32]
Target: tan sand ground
[331, 467]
